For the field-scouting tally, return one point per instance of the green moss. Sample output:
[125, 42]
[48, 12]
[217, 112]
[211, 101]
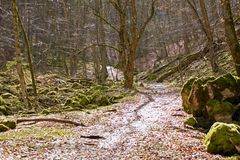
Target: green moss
[4, 110]
[2, 102]
[152, 77]
[191, 122]
[10, 123]
[222, 138]
[76, 85]
[38, 133]
[68, 102]
[215, 106]
[51, 93]
[66, 90]
[223, 87]
[44, 91]
[83, 99]
[198, 97]
[234, 157]
[7, 95]
[45, 111]
[3, 128]
[185, 92]
[73, 102]
[99, 99]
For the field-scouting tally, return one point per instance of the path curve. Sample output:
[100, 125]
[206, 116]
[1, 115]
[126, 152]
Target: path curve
[150, 127]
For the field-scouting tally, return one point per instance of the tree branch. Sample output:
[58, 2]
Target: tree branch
[97, 14]
[98, 45]
[193, 7]
[142, 29]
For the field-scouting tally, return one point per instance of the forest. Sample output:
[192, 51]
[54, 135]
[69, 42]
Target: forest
[119, 79]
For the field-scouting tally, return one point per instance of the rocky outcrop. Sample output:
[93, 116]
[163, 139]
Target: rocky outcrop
[213, 99]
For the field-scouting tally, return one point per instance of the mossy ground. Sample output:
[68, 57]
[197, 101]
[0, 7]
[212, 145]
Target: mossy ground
[36, 133]
[54, 91]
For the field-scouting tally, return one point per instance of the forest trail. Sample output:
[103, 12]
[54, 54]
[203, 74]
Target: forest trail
[149, 126]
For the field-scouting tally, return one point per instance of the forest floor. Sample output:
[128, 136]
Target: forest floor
[148, 126]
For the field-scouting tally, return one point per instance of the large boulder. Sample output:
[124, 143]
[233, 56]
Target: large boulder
[223, 88]
[214, 99]
[223, 138]
[185, 92]
[198, 97]
[220, 111]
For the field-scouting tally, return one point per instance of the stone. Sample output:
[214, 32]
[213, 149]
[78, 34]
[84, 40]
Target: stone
[220, 111]
[223, 138]
[191, 121]
[3, 128]
[10, 123]
[185, 92]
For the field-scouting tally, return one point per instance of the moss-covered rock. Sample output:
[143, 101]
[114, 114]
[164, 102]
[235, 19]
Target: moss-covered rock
[7, 95]
[103, 101]
[2, 101]
[198, 98]
[220, 111]
[76, 85]
[223, 138]
[223, 88]
[83, 99]
[45, 111]
[186, 89]
[10, 123]
[4, 109]
[191, 122]
[99, 99]
[52, 93]
[71, 102]
[3, 128]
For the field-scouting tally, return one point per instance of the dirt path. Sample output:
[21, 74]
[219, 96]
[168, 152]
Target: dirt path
[150, 127]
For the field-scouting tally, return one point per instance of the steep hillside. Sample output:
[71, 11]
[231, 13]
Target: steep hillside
[176, 70]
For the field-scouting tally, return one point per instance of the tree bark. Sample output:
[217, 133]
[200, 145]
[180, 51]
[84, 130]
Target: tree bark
[20, 72]
[209, 34]
[231, 34]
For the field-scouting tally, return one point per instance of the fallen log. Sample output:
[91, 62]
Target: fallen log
[183, 62]
[159, 69]
[21, 120]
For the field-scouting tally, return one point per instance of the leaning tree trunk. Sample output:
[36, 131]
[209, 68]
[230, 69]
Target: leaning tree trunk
[231, 34]
[29, 54]
[18, 56]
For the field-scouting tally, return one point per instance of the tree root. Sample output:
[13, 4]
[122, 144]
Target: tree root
[21, 120]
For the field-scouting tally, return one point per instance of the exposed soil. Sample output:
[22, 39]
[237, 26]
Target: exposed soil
[149, 126]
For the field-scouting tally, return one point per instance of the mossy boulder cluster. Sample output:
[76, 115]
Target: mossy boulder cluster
[214, 99]
[95, 96]
[215, 103]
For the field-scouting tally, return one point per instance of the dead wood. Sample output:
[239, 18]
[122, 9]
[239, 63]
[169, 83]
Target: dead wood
[21, 120]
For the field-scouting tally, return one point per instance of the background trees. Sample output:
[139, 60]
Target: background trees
[81, 38]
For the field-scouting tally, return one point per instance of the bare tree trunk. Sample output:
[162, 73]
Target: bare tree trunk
[29, 54]
[20, 72]
[103, 50]
[209, 34]
[231, 34]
